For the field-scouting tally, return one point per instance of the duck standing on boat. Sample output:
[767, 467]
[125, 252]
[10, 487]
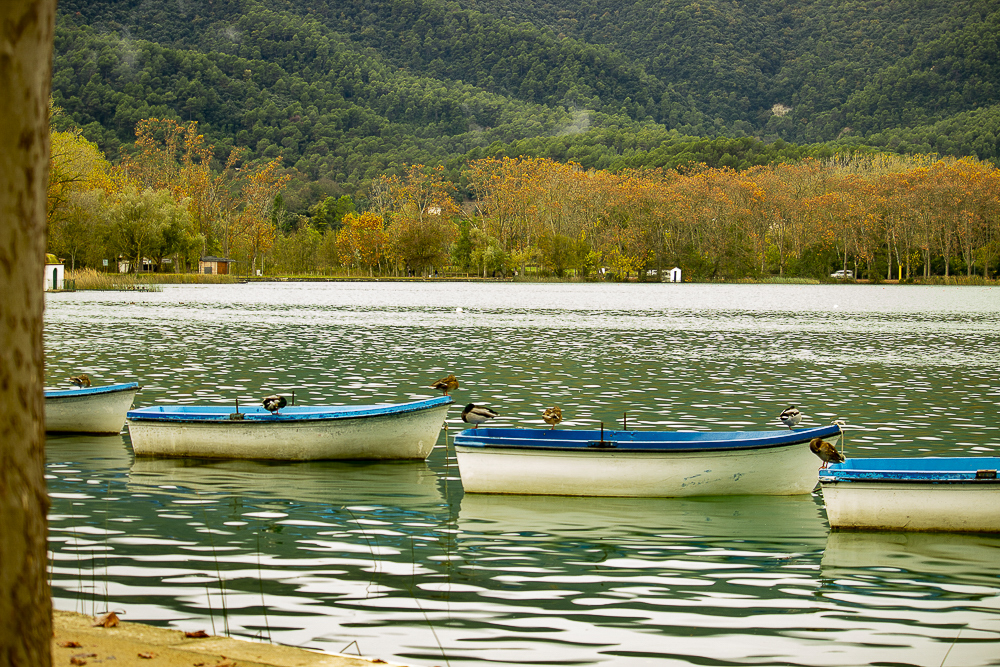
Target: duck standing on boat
[552, 416]
[790, 416]
[825, 451]
[477, 414]
[274, 403]
[82, 381]
[446, 384]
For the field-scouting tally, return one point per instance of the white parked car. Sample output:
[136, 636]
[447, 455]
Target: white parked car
[843, 273]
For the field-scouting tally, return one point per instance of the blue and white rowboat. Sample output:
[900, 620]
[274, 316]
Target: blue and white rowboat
[639, 463]
[98, 410]
[296, 433]
[957, 494]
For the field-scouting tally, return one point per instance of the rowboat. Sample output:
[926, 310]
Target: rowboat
[294, 433]
[90, 409]
[639, 463]
[959, 494]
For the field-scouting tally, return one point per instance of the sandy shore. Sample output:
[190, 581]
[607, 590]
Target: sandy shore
[76, 641]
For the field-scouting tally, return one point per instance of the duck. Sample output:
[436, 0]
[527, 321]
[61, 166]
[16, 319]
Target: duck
[82, 381]
[446, 384]
[825, 451]
[790, 416]
[274, 403]
[477, 414]
[552, 416]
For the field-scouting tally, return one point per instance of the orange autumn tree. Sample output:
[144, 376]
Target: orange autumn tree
[230, 208]
[506, 192]
[362, 241]
[418, 209]
[255, 231]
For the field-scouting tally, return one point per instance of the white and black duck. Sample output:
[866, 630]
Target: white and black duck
[477, 414]
[790, 416]
[274, 403]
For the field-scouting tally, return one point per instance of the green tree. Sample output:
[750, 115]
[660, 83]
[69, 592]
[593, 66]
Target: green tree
[141, 221]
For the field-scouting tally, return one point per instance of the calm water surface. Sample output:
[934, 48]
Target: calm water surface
[396, 558]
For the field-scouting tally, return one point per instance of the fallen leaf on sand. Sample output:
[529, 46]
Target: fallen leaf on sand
[147, 655]
[196, 634]
[69, 643]
[77, 661]
[109, 620]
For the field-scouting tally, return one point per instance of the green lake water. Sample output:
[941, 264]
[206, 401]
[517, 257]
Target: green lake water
[395, 557]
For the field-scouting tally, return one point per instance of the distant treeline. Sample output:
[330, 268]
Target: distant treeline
[881, 216]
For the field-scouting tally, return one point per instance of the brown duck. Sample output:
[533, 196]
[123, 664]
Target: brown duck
[552, 416]
[446, 384]
[826, 451]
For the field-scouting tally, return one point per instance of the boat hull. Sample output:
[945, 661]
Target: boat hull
[406, 431]
[99, 410]
[700, 470]
[913, 494]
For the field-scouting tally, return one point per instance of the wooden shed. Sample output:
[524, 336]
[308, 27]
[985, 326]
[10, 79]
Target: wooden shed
[214, 265]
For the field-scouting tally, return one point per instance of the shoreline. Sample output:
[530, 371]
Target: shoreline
[191, 279]
[76, 641]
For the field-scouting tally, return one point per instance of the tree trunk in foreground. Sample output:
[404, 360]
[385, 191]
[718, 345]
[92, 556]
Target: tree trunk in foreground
[26, 30]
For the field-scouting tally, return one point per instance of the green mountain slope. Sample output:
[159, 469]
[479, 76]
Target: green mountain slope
[346, 89]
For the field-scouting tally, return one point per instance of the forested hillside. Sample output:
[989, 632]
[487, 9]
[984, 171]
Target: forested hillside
[592, 138]
[346, 90]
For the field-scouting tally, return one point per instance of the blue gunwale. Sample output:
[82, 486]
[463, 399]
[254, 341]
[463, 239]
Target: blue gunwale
[925, 469]
[90, 391]
[636, 441]
[201, 414]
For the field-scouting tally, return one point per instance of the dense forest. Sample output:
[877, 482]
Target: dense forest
[331, 99]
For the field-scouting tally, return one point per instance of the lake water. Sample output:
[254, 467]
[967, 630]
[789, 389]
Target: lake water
[394, 561]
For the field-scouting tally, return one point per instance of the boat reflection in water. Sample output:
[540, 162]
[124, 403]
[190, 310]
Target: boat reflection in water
[334, 483]
[106, 454]
[968, 557]
[797, 519]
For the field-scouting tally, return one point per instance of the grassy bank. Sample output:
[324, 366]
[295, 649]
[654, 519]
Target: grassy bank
[89, 279]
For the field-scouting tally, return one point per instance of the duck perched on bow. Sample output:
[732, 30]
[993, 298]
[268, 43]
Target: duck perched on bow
[274, 403]
[826, 451]
[477, 414]
[446, 384]
[790, 416]
[552, 416]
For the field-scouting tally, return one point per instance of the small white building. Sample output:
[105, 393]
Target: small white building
[127, 266]
[675, 275]
[55, 273]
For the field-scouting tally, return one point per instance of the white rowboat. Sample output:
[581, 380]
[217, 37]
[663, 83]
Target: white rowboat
[639, 463]
[956, 494]
[296, 433]
[89, 410]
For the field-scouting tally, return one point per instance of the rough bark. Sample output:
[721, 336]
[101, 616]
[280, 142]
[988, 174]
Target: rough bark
[26, 30]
